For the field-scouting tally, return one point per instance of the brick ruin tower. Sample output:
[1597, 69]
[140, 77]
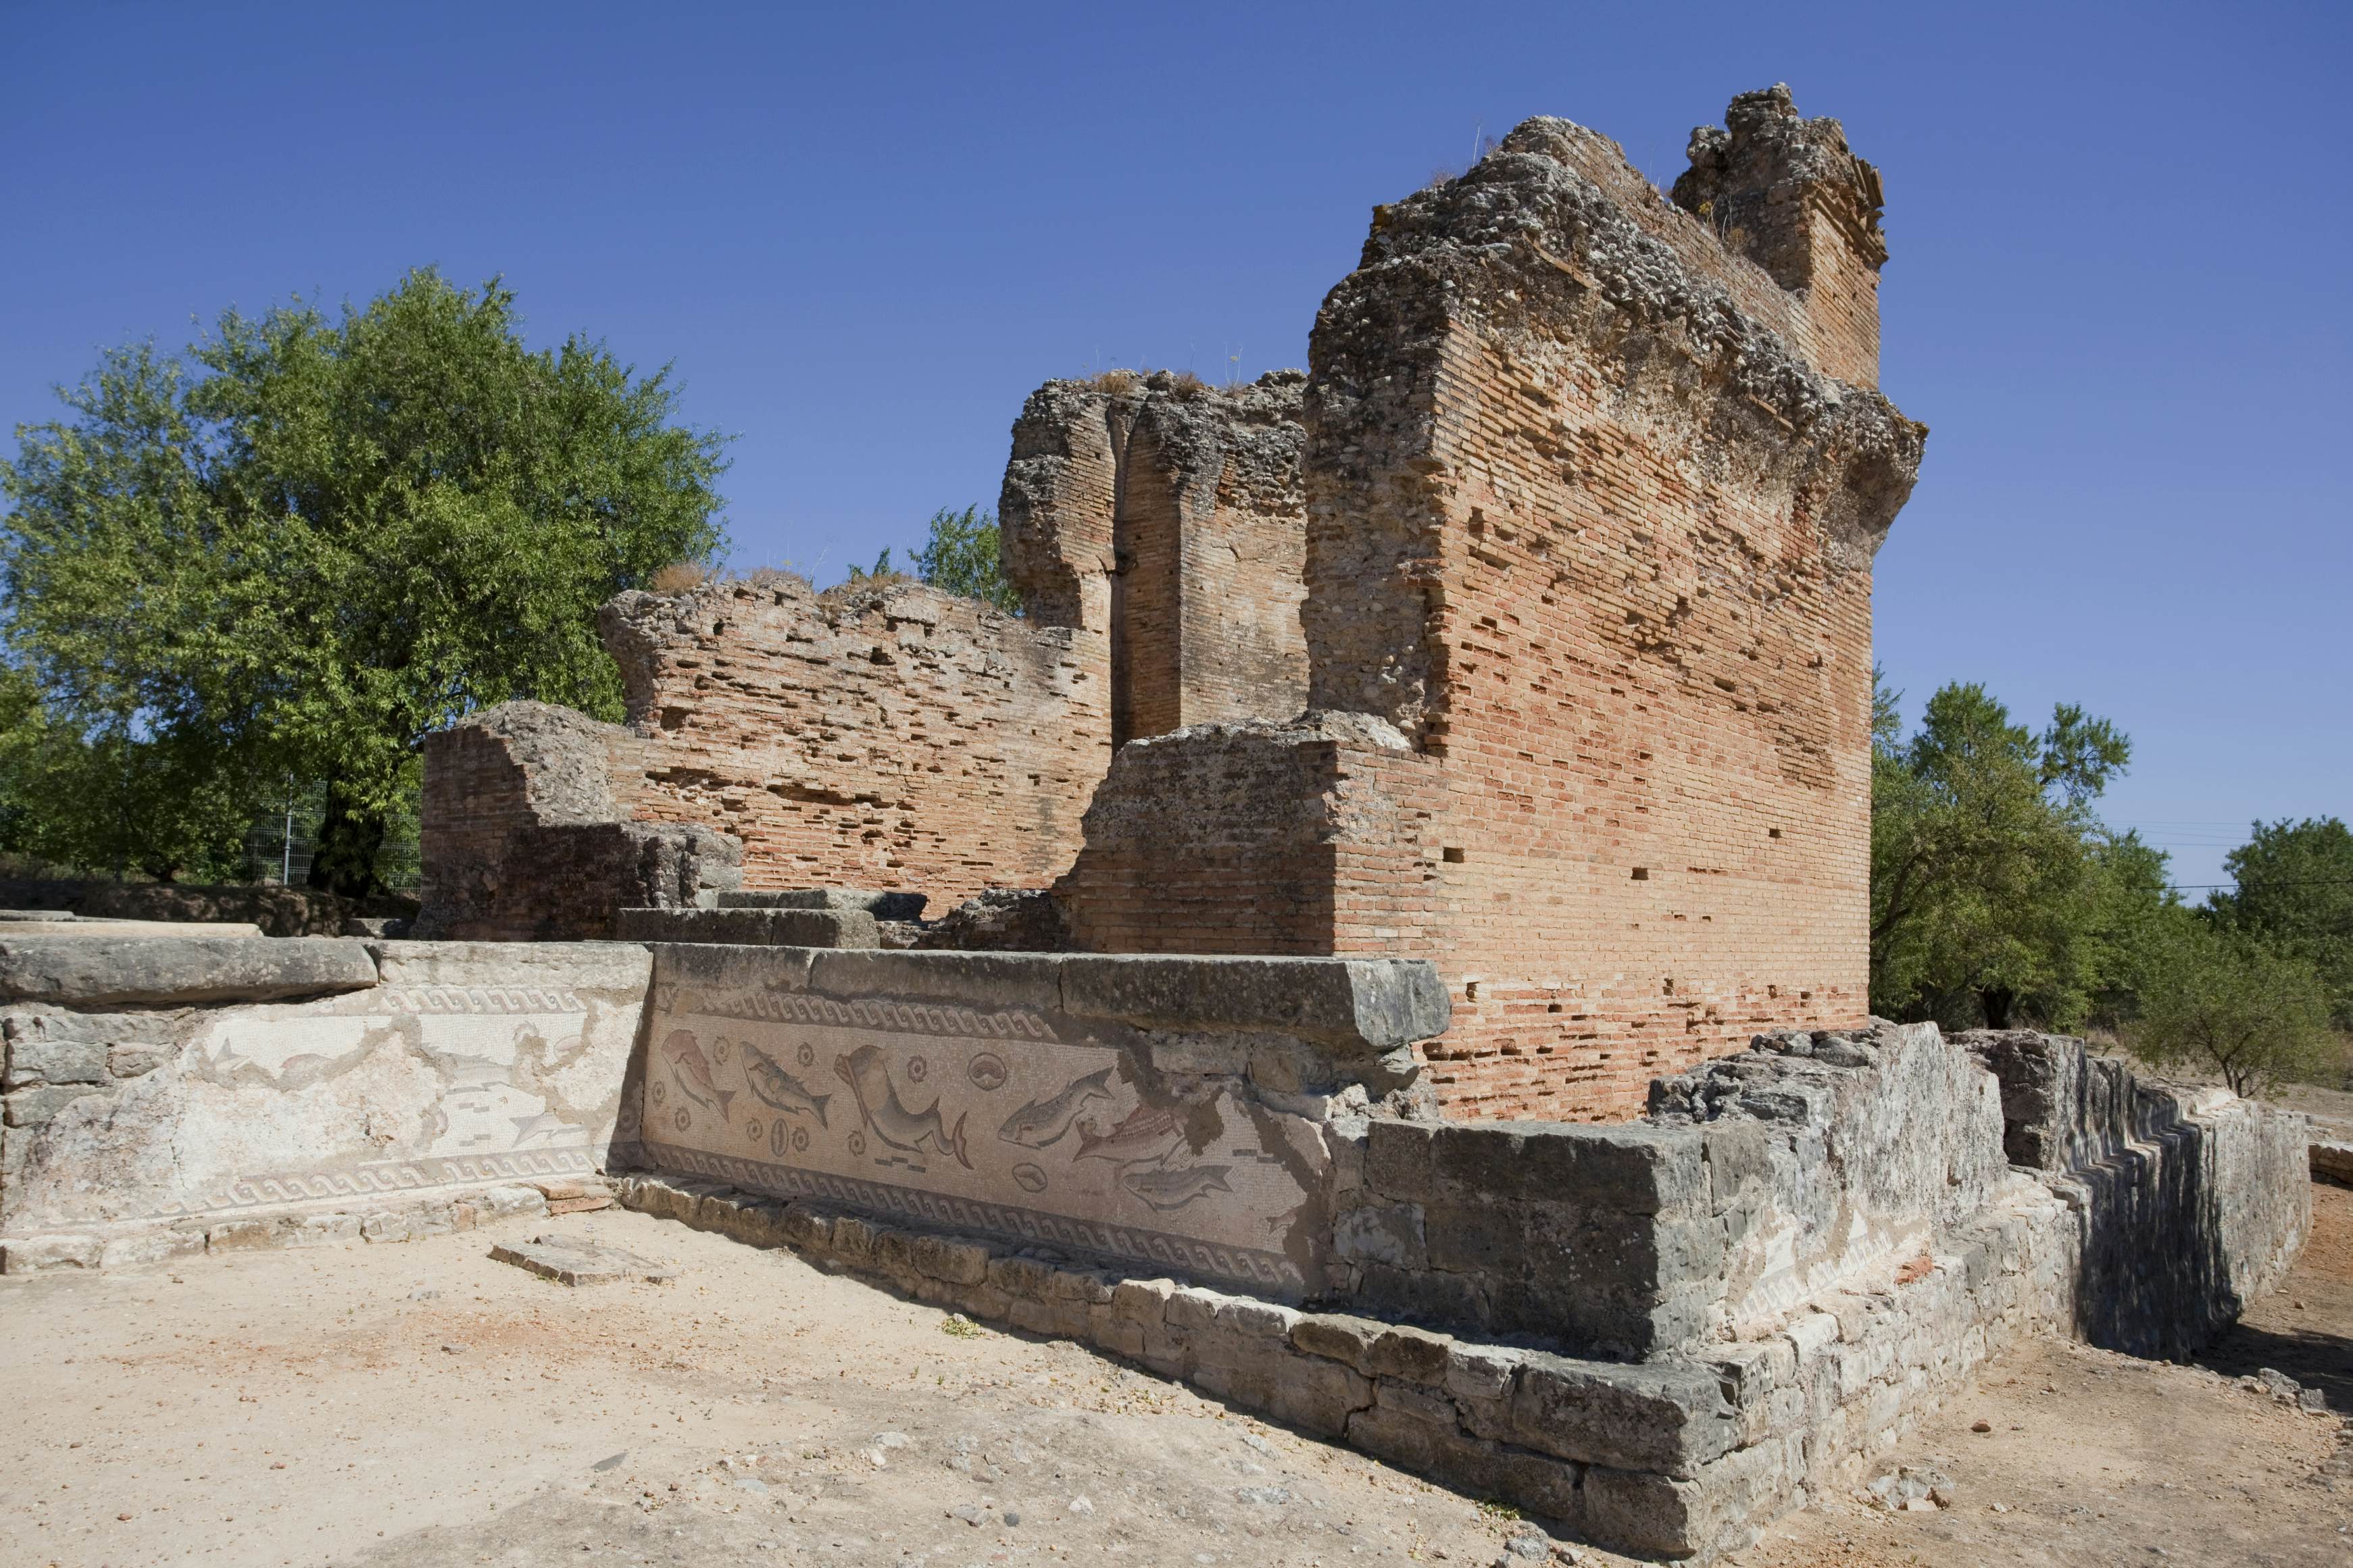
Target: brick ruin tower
[1593, 482]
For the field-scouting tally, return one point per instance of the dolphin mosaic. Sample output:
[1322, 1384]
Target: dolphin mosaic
[692, 1072]
[869, 1078]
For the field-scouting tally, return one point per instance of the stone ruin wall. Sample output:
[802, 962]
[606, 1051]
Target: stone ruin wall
[888, 735]
[1591, 525]
[1168, 516]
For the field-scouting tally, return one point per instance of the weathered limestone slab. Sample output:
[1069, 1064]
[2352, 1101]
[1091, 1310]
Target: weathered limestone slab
[569, 1261]
[77, 970]
[882, 906]
[752, 926]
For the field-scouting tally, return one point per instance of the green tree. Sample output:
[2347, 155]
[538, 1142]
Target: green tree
[961, 556]
[2227, 1001]
[329, 537]
[2295, 892]
[1998, 897]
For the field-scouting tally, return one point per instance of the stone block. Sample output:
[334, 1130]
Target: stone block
[1021, 1276]
[1382, 1233]
[853, 1239]
[240, 1234]
[1482, 1372]
[41, 1254]
[955, 1262]
[144, 1249]
[749, 928]
[1083, 1284]
[1026, 981]
[319, 1230]
[1360, 1009]
[514, 1200]
[131, 1061]
[168, 970]
[893, 1252]
[38, 1106]
[1669, 1417]
[1194, 1310]
[1425, 1296]
[1141, 1300]
[1487, 1239]
[1318, 1395]
[1415, 1354]
[1337, 1338]
[802, 1225]
[37, 1062]
[1633, 1169]
[1398, 1159]
[881, 905]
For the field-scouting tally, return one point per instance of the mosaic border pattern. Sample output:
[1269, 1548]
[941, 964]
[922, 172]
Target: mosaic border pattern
[384, 1178]
[1178, 1253]
[905, 1018]
[463, 999]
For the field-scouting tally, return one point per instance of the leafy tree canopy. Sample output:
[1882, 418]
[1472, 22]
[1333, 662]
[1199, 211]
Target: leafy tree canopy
[961, 556]
[1997, 895]
[299, 550]
[2229, 1002]
[2295, 892]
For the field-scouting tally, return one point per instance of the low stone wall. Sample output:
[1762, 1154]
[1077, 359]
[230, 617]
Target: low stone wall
[159, 1090]
[277, 910]
[2192, 1202]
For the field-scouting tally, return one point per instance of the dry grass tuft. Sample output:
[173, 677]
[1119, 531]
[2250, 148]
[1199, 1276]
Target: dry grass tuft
[1118, 382]
[679, 577]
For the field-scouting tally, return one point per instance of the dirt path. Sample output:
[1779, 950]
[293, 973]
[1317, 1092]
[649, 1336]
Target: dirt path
[420, 1405]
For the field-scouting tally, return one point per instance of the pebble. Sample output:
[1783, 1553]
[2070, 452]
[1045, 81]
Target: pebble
[1980, 1425]
[1080, 1505]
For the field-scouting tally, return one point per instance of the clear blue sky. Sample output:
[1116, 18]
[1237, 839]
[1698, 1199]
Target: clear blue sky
[2118, 291]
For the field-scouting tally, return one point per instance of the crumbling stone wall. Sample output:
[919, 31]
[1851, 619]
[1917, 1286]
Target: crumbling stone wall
[528, 836]
[880, 735]
[1590, 521]
[1167, 514]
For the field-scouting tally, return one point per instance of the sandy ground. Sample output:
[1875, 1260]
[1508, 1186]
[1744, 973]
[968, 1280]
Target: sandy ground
[422, 1405]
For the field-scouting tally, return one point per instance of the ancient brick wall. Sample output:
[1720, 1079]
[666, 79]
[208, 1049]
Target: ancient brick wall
[528, 836]
[883, 735]
[1589, 523]
[1167, 515]
[1311, 837]
[1600, 540]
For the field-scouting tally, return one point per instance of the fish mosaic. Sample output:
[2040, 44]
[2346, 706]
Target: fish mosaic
[1042, 1123]
[779, 1090]
[1173, 1189]
[1085, 1160]
[1148, 1134]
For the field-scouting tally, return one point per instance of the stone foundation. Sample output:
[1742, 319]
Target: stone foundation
[1656, 1335]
